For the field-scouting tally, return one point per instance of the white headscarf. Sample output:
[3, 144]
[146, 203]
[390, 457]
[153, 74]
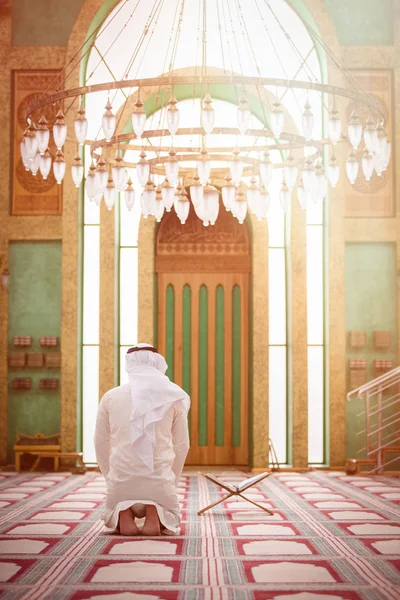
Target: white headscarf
[152, 395]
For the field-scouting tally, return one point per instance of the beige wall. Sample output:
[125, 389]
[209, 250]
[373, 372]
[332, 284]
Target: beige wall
[341, 230]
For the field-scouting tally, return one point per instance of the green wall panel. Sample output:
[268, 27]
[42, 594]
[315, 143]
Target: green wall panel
[186, 329]
[34, 309]
[170, 331]
[236, 379]
[371, 305]
[219, 366]
[186, 346]
[203, 365]
[362, 22]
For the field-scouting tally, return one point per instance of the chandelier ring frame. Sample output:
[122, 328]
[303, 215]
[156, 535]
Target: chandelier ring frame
[206, 80]
[293, 141]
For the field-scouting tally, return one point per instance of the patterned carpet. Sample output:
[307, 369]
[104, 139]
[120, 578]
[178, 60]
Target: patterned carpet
[331, 537]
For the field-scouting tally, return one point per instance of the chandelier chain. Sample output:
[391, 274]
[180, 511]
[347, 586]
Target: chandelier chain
[229, 47]
[62, 76]
[113, 41]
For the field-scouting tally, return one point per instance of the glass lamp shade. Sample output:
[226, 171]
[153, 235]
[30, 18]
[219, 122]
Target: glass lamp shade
[148, 199]
[168, 195]
[333, 171]
[59, 167]
[109, 122]
[386, 156]
[172, 169]
[210, 204]
[367, 164]
[129, 195]
[42, 135]
[290, 172]
[307, 121]
[228, 191]
[45, 164]
[355, 130]
[207, 115]
[138, 122]
[97, 199]
[203, 170]
[35, 163]
[378, 164]
[81, 126]
[262, 206]
[370, 135]
[101, 175]
[334, 126]
[24, 154]
[119, 173]
[239, 206]
[90, 183]
[207, 119]
[302, 195]
[120, 177]
[321, 184]
[172, 116]
[182, 206]
[110, 194]
[284, 197]
[199, 210]
[196, 191]
[309, 177]
[277, 118]
[352, 167]
[159, 207]
[77, 171]
[59, 130]
[31, 144]
[266, 169]
[142, 170]
[236, 167]
[204, 166]
[243, 116]
[253, 194]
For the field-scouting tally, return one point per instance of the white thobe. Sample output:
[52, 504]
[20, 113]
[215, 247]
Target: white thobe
[127, 482]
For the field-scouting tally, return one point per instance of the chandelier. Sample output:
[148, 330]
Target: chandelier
[194, 167]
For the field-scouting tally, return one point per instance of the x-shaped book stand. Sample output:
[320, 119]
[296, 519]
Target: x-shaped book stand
[236, 490]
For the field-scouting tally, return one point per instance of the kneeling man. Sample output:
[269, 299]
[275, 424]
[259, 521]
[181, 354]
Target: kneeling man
[141, 443]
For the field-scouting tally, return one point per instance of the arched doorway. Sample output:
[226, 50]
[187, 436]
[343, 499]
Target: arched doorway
[203, 330]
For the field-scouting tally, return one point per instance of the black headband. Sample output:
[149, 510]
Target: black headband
[137, 349]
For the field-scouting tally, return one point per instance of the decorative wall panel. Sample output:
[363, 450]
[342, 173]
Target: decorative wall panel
[376, 197]
[32, 195]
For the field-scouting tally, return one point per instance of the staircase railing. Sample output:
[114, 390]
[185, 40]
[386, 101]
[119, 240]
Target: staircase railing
[381, 414]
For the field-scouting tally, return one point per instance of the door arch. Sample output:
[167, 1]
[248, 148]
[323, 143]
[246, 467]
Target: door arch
[203, 330]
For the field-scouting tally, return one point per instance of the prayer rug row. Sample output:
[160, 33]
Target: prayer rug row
[331, 537]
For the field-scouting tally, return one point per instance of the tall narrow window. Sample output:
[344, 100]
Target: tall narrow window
[90, 324]
[277, 303]
[315, 325]
[128, 278]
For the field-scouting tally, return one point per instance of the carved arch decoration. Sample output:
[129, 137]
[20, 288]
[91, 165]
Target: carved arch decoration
[192, 247]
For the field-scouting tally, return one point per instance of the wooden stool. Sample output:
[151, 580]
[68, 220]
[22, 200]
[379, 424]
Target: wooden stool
[31, 444]
[43, 446]
[235, 490]
[57, 455]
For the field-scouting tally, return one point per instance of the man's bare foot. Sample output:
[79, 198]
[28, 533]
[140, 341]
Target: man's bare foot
[152, 523]
[126, 523]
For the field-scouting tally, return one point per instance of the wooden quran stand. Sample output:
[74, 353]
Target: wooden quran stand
[235, 490]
